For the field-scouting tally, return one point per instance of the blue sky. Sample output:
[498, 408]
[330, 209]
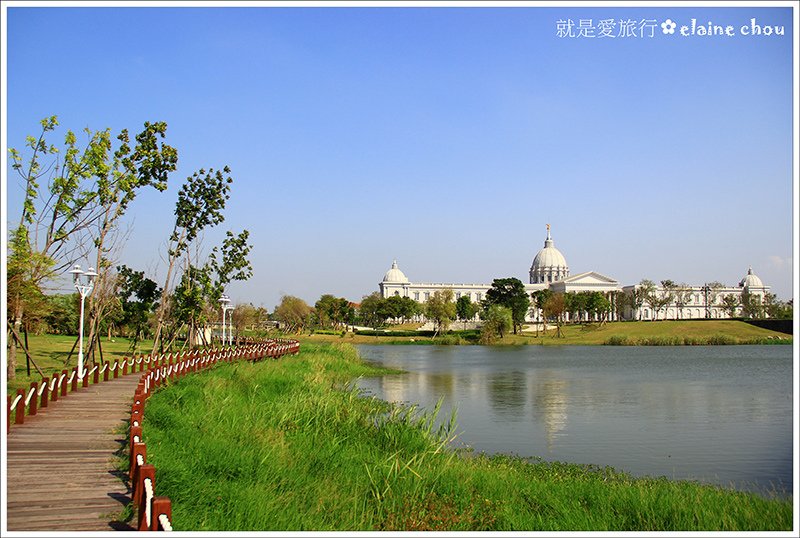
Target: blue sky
[443, 137]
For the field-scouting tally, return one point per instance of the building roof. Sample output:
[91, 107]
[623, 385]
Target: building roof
[750, 280]
[395, 275]
[549, 257]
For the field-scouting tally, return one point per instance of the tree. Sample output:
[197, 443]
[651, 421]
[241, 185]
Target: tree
[554, 309]
[372, 310]
[752, 306]
[660, 301]
[637, 297]
[776, 308]
[497, 322]
[730, 304]
[86, 189]
[510, 292]
[540, 297]
[201, 201]
[465, 309]
[146, 164]
[441, 309]
[598, 306]
[243, 316]
[293, 312]
[711, 291]
[138, 296]
[683, 294]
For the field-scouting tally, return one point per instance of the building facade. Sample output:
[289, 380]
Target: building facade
[550, 270]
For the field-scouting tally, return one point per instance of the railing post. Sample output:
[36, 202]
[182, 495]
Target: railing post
[161, 505]
[96, 378]
[145, 472]
[136, 450]
[32, 406]
[65, 373]
[45, 393]
[116, 370]
[125, 366]
[54, 396]
[20, 413]
[105, 372]
[85, 380]
[75, 379]
[8, 415]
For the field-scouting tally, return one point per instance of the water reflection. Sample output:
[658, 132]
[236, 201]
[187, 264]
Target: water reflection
[721, 415]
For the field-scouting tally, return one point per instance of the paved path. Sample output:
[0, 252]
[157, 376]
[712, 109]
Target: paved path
[62, 466]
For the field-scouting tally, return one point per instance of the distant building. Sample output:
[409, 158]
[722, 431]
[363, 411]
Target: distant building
[550, 270]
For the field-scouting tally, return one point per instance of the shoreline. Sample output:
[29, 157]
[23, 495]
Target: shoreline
[293, 448]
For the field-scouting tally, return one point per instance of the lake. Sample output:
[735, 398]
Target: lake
[717, 414]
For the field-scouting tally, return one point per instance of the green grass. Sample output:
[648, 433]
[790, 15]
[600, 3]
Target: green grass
[711, 332]
[287, 445]
[50, 353]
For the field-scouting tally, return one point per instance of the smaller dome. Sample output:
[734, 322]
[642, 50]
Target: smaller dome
[750, 280]
[395, 275]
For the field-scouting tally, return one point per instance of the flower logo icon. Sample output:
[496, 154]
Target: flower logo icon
[668, 26]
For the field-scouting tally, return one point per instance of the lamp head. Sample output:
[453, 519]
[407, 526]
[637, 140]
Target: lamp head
[76, 273]
[91, 274]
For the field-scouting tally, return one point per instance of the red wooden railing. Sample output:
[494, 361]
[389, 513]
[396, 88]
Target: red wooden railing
[155, 513]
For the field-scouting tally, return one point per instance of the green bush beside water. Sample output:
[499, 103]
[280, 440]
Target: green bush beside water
[288, 445]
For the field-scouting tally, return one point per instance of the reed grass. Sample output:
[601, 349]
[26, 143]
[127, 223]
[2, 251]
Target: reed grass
[290, 445]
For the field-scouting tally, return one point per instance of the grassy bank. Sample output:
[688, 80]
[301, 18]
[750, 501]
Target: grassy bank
[285, 446]
[711, 332]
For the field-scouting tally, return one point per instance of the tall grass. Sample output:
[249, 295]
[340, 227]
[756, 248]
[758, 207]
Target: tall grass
[290, 445]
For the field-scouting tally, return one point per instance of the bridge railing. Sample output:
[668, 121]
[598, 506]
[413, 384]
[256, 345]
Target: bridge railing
[49, 390]
[155, 513]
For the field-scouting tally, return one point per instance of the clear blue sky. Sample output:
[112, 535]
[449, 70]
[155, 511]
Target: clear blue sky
[445, 138]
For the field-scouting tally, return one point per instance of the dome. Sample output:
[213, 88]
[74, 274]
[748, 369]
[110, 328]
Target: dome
[750, 280]
[549, 265]
[395, 275]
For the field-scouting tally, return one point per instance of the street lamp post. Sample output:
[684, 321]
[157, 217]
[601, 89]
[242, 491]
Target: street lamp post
[223, 301]
[84, 289]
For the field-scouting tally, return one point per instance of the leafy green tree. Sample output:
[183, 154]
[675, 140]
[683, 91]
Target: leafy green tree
[510, 292]
[441, 309]
[62, 317]
[711, 291]
[293, 312]
[87, 190]
[466, 309]
[730, 304]
[598, 306]
[138, 296]
[497, 321]
[372, 310]
[539, 298]
[201, 202]
[409, 308]
[682, 294]
[752, 306]
[555, 307]
[777, 309]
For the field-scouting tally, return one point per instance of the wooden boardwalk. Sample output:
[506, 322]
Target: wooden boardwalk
[62, 465]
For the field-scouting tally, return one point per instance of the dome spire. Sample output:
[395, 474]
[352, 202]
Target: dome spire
[549, 241]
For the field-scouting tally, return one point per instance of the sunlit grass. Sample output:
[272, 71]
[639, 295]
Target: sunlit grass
[288, 445]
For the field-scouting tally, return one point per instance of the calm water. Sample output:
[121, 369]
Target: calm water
[719, 414]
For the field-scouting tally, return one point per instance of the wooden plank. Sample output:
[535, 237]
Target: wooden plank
[61, 466]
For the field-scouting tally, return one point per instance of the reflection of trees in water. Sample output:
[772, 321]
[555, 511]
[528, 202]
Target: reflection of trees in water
[417, 387]
[550, 399]
[507, 393]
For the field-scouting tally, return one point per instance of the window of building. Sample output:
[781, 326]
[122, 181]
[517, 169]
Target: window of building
[427, 295]
[458, 295]
[416, 296]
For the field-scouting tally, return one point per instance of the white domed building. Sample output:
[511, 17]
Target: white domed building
[549, 265]
[550, 270]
